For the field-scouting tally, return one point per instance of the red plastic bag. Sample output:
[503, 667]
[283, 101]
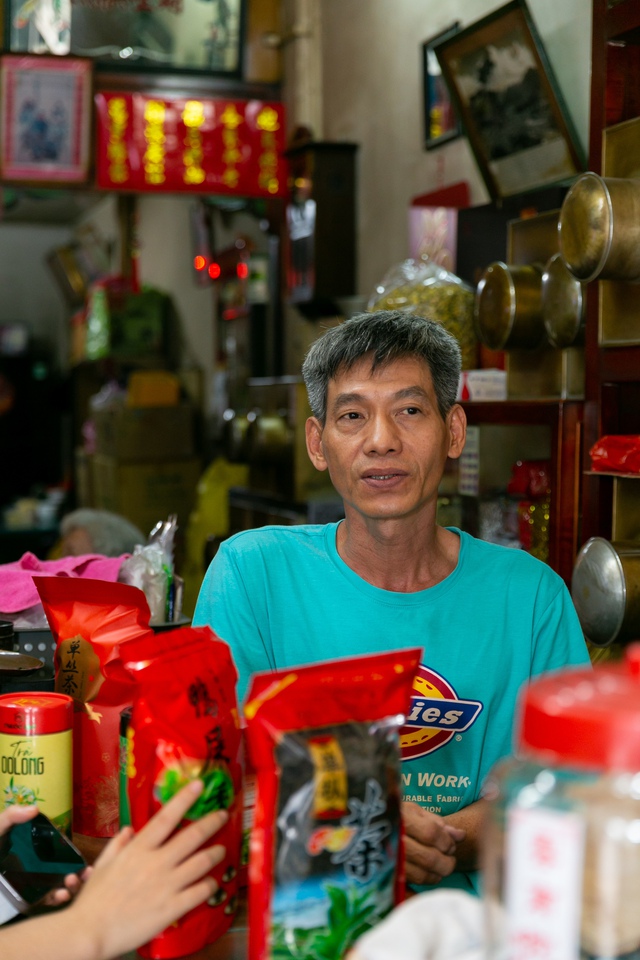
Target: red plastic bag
[530, 478]
[91, 621]
[326, 851]
[185, 724]
[619, 453]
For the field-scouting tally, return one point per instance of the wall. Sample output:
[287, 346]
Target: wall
[372, 95]
[30, 295]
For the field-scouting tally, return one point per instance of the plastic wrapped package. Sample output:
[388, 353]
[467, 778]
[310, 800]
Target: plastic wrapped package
[619, 453]
[422, 287]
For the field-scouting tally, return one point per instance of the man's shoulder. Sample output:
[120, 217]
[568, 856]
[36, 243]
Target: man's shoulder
[501, 560]
[276, 537]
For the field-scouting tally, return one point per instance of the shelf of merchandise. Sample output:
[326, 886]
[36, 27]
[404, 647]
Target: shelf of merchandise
[612, 371]
[564, 420]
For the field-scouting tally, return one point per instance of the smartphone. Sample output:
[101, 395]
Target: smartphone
[35, 857]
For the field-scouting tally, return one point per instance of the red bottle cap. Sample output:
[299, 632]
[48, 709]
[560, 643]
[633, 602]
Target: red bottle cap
[584, 718]
[34, 714]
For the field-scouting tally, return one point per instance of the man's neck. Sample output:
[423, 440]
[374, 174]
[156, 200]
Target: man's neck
[402, 555]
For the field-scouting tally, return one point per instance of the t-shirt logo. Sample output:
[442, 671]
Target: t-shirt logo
[435, 716]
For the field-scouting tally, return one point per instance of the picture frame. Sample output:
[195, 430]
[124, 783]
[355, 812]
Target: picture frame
[441, 122]
[509, 102]
[45, 119]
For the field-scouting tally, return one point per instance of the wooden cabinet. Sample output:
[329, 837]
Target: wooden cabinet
[612, 369]
[563, 420]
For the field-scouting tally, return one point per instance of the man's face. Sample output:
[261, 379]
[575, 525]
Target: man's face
[384, 441]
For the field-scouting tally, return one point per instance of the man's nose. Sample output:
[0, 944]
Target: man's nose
[382, 435]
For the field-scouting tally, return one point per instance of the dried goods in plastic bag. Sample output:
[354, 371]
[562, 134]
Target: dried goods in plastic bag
[185, 724]
[91, 621]
[422, 287]
[619, 453]
[326, 851]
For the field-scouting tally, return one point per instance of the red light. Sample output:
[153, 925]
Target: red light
[199, 263]
[242, 270]
[214, 270]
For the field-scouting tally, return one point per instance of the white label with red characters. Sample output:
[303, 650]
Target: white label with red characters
[543, 884]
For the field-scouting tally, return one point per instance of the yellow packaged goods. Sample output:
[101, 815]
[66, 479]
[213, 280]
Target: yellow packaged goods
[423, 287]
[36, 753]
[153, 388]
[137, 434]
[143, 492]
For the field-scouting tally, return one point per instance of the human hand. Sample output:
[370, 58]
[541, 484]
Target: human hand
[72, 882]
[142, 883]
[430, 845]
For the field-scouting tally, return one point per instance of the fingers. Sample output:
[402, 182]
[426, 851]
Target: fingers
[16, 814]
[457, 833]
[187, 840]
[198, 864]
[430, 845]
[192, 897]
[115, 845]
[55, 898]
[428, 828]
[164, 822]
[427, 864]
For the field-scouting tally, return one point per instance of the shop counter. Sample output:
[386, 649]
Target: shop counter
[233, 945]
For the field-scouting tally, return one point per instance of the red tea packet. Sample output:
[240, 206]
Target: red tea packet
[91, 620]
[185, 724]
[326, 849]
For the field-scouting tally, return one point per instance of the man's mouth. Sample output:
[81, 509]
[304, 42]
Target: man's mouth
[392, 475]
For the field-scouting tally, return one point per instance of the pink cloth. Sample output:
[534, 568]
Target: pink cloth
[17, 589]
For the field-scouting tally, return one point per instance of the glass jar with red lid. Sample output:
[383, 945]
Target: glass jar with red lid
[561, 848]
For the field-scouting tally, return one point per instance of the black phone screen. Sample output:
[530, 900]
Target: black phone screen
[35, 857]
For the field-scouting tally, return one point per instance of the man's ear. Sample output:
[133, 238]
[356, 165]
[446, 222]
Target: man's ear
[457, 431]
[313, 432]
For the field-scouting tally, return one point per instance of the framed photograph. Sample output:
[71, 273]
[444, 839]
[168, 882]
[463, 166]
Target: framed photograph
[509, 103]
[440, 119]
[45, 119]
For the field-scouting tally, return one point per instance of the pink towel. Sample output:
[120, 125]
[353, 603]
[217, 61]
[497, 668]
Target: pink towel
[17, 589]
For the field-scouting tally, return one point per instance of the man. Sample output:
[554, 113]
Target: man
[382, 389]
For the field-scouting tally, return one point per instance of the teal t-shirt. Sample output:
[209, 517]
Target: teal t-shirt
[282, 597]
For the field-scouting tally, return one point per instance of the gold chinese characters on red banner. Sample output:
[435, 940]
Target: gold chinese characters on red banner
[195, 145]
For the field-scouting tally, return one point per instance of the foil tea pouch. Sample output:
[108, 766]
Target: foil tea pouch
[185, 724]
[326, 848]
[91, 621]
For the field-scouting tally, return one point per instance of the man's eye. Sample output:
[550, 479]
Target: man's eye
[412, 410]
[351, 415]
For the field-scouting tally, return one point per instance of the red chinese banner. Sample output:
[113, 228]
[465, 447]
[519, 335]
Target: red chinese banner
[148, 143]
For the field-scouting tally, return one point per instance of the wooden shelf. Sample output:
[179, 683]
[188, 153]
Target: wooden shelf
[622, 21]
[612, 384]
[543, 412]
[619, 364]
[564, 420]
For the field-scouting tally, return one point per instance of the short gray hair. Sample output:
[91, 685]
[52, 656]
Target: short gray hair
[386, 335]
[111, 535]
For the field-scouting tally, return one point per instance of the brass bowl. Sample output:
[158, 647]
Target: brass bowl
[605, 588]
[599, 228]
[563, 304]
[508, 307]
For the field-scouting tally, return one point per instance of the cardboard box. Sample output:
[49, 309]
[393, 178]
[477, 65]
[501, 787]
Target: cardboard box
[482, 385]
[146, 434]
[145, 493]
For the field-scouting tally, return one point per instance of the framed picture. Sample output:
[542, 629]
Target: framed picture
[45, 119]
[440, 119]
[509, 103]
